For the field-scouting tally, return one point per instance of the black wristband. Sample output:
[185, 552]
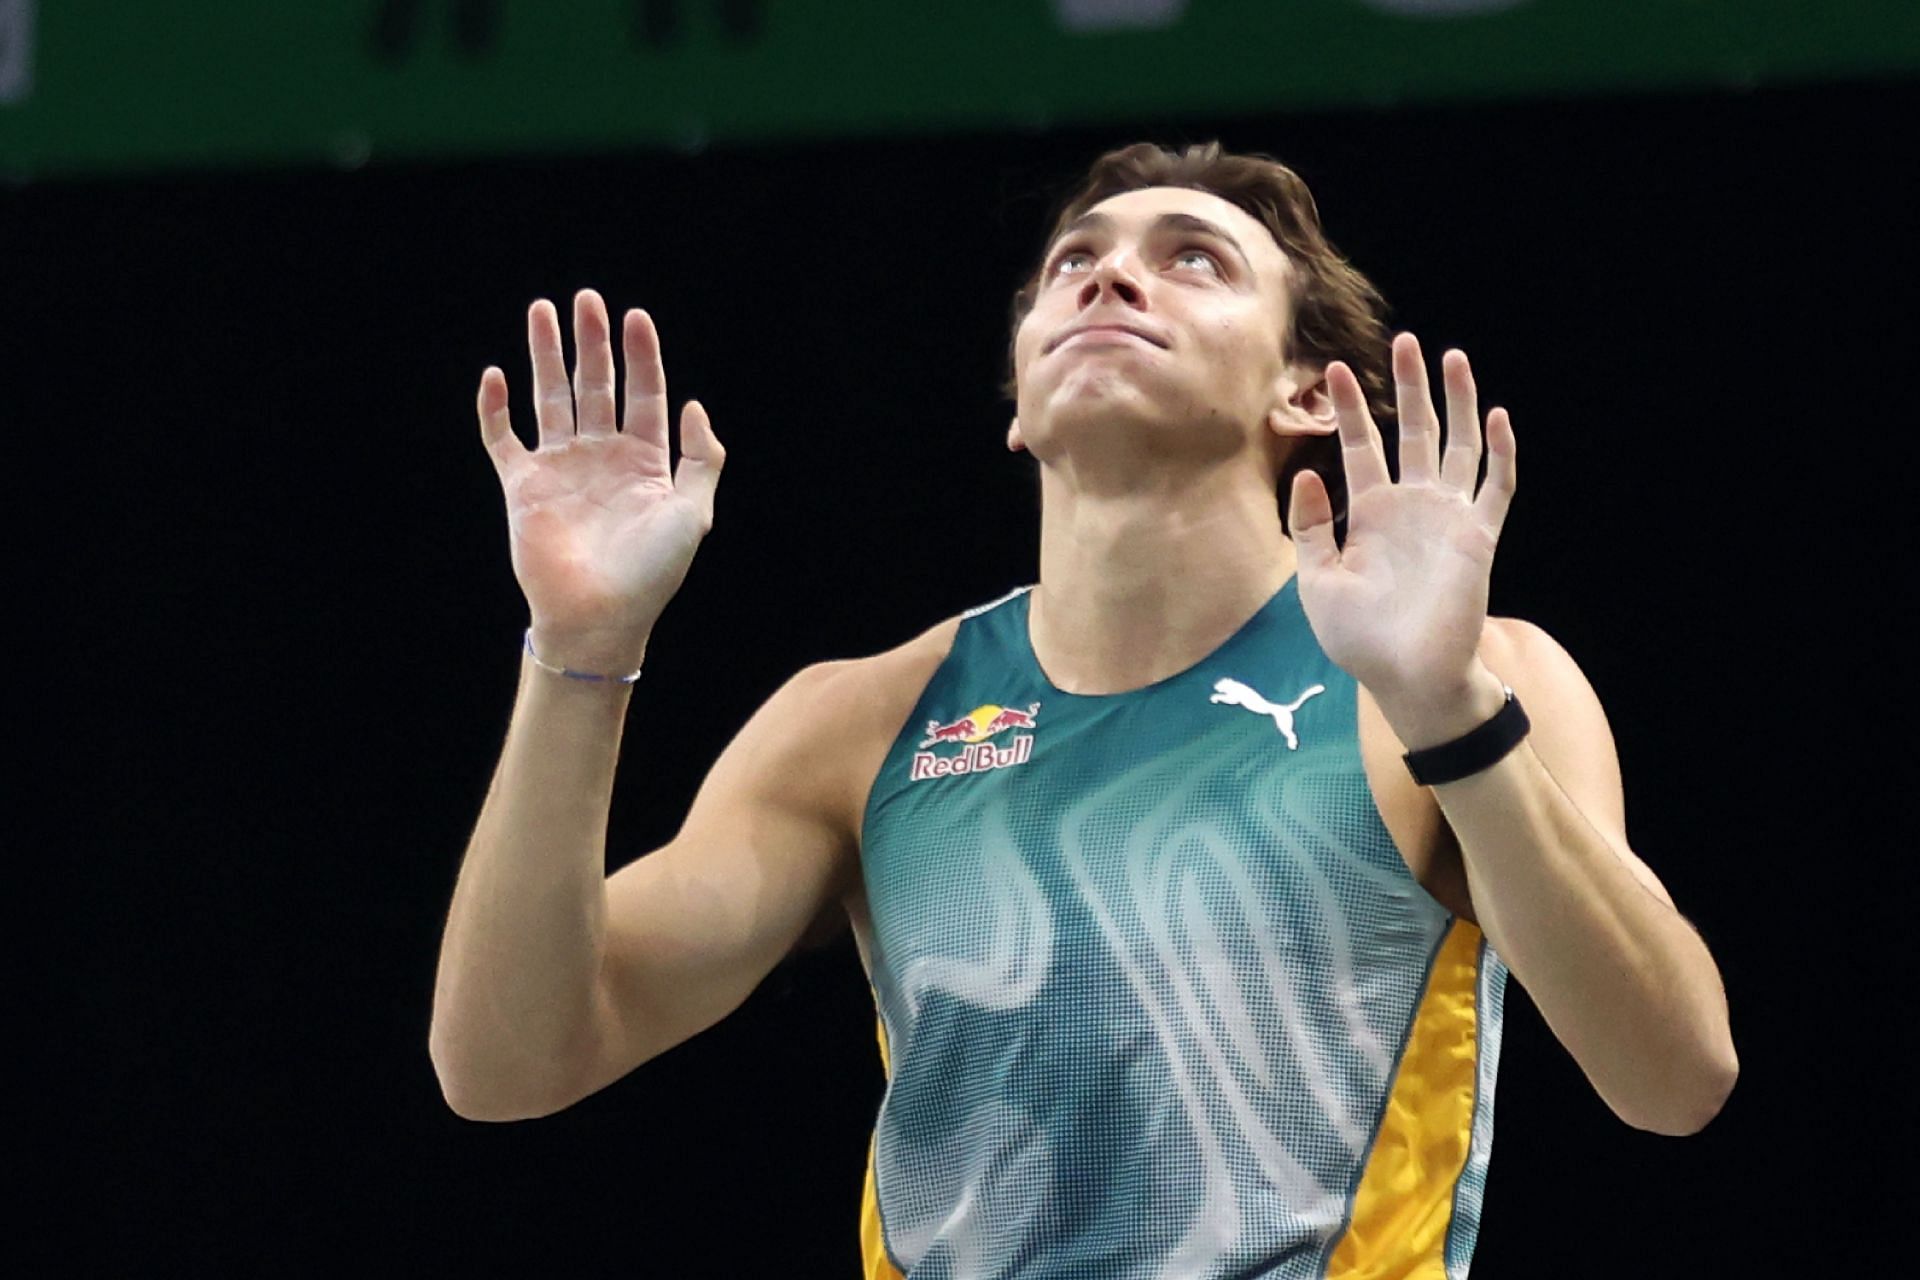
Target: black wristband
[1474, 750]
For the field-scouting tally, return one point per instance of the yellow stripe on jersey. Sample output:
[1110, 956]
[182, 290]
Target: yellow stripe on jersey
[1404, 1203]
[873, 1244]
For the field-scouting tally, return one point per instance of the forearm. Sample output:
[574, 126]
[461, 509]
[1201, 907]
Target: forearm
[519, 961]
[1624, 982]
[1621, 978]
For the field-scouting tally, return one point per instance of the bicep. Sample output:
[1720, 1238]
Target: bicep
[692, 928]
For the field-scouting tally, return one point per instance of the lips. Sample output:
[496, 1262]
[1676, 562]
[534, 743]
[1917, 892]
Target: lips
[1134, 330]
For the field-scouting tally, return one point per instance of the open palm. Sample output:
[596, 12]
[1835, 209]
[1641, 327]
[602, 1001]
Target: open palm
[1402, 604]
[602, 529]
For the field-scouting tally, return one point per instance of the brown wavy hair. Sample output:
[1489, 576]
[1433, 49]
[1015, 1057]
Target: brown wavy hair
[1338, 314]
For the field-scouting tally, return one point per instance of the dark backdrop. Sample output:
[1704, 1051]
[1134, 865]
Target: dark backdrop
[270, 638]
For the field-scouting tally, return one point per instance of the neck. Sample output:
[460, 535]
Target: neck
[1138, 587]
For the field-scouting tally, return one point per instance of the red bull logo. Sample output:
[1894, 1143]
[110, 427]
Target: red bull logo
[972, 731]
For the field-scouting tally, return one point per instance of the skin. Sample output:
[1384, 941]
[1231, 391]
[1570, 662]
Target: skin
[1159, 534]
[1159, 529]
[1160, 537]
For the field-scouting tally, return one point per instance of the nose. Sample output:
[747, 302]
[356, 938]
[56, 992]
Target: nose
[1113, 277]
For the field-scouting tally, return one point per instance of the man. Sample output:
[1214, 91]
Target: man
[1188, 879]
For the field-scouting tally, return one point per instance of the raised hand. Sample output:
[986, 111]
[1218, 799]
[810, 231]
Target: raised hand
[601, 530]
[1401, 607]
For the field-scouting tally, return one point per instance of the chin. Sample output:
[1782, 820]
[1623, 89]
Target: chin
[1161, 419]
[1107, 390]
[1104, 406]
[1101, 428]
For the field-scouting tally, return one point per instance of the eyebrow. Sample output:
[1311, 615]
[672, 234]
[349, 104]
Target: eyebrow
[1097, 221]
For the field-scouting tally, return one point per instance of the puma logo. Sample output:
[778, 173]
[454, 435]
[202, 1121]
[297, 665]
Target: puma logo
[1235, 694]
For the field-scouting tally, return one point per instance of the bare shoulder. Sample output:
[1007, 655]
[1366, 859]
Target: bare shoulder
[877, 692]
[1506, 638]
[1542, 674]
[812, 747]
[855, 707]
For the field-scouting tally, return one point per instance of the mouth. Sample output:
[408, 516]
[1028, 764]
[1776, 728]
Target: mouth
[1104, 333]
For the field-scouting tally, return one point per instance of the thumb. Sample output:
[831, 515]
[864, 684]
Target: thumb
[701, 457]
[1310, 524]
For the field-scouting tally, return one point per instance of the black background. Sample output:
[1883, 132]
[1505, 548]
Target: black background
[269, 638]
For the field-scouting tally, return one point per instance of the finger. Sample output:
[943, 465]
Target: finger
[592, 365]
[701, 457]
[552, 397]
[1310, 524]
[1462, 465]
[1496, 495]
[496, 426]
[1360, 451]
[1419, 425]
[645, 416]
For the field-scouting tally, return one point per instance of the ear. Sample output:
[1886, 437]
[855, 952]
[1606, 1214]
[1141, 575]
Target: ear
[1304, 408]
[1014, 443]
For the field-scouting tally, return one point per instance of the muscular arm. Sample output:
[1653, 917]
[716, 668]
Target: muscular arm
[515, 988]
[554, 979]
[1626, 984]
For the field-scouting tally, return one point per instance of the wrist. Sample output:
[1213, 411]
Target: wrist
[607, 647]
[611, 658]
[1442, 713]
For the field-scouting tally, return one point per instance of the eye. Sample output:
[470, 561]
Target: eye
[1071, 260]
[1205, 259]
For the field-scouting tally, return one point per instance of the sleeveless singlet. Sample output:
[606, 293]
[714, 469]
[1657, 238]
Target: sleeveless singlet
[1158, 997]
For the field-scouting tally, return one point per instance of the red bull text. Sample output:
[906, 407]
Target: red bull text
[971, 732]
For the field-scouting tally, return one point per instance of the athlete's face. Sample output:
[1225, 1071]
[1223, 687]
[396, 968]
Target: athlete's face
[1161, 311]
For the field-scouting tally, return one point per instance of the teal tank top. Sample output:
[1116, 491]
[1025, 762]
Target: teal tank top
[1158, 997]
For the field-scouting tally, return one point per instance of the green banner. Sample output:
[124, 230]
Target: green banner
[92, 85]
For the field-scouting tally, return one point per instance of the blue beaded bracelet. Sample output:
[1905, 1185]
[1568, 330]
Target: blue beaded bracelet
[575, 675]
